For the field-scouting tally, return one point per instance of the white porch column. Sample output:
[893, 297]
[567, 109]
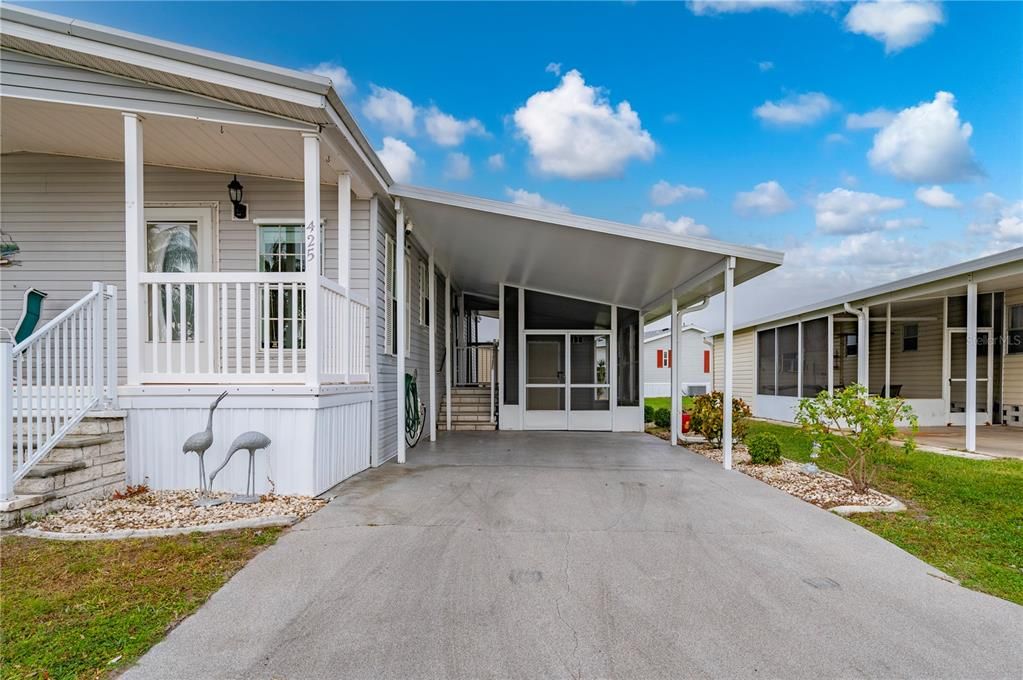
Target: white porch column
[673, 369]
[6, 420]
[888, 351]
[344, 229]
[311, 184]
[447, 350]
[971, 365]
[831, 353]
[399, 322]
[433, 347]
[134, 243]
[726, 406]
[863, 351]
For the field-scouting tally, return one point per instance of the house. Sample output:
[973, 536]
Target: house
[203, 223]
[694, 362]
[910, 338]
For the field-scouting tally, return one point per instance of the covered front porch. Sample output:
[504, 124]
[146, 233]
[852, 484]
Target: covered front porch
[992, 440]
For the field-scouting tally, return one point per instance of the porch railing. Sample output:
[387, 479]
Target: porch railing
[247, 327]
[53, 378]
[476, 363]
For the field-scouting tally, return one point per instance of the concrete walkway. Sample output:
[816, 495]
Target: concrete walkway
[563, 555]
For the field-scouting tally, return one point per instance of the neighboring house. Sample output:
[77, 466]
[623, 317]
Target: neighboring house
[249, 240]
[909, 338]
[694, 362]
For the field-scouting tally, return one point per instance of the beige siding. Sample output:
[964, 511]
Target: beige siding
[67, 215]
[919, 372]
[1012, 368]
[743, 378]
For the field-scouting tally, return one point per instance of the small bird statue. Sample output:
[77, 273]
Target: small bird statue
[250, 441]
[200, 442]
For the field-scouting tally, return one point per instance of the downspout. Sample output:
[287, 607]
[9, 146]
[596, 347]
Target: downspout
[860, 341]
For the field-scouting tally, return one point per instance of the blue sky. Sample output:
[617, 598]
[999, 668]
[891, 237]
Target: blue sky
[743, 112]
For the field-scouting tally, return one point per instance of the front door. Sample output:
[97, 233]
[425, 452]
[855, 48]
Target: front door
[568, 381]
[955, 369]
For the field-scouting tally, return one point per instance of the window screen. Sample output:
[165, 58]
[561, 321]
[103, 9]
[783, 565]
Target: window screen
[554, 312]
[788, 361]
[511, 346]
[765, 362]
[628, 357]
[815, 357]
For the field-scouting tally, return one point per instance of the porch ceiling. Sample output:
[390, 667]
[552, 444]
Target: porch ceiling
[482, 243]
[47, 127]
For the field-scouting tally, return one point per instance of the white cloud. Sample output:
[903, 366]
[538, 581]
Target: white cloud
[554, 67]
[926, 143]
[399, 158]
[533, 200]
[903, 223]
[446, 130]
[1005, 228]
[572, 131]
[338, 75]
[990, 202]
[664, 193]
[842, 211]
[684, 226]
[801, 109]
[496, 161]
[765, 66]
[767, 198]
[457, 166]
[390, 109]
[936, 197]
[705, 7]
[849, 179]
[870, 120]
[897, 24]
[836, 138]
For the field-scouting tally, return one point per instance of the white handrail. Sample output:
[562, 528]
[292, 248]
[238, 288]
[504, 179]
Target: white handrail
[55, 321]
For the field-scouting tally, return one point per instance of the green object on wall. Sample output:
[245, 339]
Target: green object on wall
[30, 316]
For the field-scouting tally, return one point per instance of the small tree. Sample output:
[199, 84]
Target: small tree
[856, 427]
[708, 417]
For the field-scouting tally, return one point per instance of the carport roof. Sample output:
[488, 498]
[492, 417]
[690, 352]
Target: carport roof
[481, 243]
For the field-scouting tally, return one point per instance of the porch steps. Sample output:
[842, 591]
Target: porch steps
[470, 410]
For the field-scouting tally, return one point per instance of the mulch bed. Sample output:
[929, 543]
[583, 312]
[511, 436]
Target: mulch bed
[168, 510]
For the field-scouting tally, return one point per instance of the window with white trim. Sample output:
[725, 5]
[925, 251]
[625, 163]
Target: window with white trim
[408, 305]
[1014, 333]
[424, 295]
[391, 302]
[281, 250]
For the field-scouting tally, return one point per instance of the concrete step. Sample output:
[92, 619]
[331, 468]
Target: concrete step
[43, 470]
[471, 427]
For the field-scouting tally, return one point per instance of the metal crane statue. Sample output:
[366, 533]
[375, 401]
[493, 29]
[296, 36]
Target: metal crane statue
[250, 441]
[199, 443]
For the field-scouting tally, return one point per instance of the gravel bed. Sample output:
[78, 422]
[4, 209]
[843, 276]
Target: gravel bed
[168, 510]
[824, 489]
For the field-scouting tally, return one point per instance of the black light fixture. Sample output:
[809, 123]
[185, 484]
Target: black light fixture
[235, 191]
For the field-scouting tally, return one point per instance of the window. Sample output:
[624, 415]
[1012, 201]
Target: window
[852, 344]
[511, 345]
[424, 295]
[173, 246]
[765, 362]
[280, 251]
[815, 357]
[788, 361]
[910, 337]
[628, 357]
[664, 358]
[391, 302]
[408, 305]
[1014, 335]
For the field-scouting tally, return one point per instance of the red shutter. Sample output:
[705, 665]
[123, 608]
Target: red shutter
[706, 361]
[660, 358]
[669, 358]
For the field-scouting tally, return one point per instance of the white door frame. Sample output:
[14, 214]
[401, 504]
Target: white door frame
[565, 419]
[959, 419]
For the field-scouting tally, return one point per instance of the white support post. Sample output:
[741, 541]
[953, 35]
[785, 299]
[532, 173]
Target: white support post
[399, 322]
[888, 351]
[344, 229]
[97, 344]
[311, 182]
[111, 339]
[726, 406]
[6, 420]
[831, 353]
[863, 351]
[971, 365]
[433, 346]
[673, 369]
[134, 219]
[447, 351]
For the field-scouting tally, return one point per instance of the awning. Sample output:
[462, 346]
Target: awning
[482, 243]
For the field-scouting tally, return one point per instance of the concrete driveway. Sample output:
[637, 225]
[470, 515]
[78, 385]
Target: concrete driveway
[496, 555]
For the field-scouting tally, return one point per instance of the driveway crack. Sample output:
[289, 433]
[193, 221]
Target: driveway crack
[557, 605]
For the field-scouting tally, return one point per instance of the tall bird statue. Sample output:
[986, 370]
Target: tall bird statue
[251, 442]
[200, 442]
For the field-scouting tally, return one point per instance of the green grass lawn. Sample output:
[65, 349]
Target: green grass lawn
[82, 609]
[965, 516]
[665, 402]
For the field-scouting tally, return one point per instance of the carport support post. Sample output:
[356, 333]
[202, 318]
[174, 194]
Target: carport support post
[673, 369]
[399, 322]
[447, 350]
[432, 322]
[971, 365]
[134, 218]
[726, 402]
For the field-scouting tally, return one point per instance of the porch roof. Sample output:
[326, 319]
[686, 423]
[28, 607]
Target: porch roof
[482, 243]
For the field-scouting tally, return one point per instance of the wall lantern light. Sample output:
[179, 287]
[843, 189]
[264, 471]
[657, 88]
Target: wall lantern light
[235, 191]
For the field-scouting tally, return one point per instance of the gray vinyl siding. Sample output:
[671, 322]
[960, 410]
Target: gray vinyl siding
[67, 215]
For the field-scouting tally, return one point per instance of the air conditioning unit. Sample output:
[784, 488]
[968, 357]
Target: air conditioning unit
[1012, 415]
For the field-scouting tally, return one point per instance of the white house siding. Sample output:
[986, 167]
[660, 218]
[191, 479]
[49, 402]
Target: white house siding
[1012, 367]
[657, 381]
[67, 215]
[743, 373]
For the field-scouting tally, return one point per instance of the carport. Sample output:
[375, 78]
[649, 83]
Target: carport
[573, 294]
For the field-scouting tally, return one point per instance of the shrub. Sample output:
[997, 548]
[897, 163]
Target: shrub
[648, 414]
[708, 418]
[764, 449]
[662, 417]
[855, 427]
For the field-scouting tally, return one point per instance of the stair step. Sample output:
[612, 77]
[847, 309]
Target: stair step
[43, 470]
[81, 441]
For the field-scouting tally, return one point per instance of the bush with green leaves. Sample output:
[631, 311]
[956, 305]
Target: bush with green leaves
[648, 414]
[764, 449]
[662, 417]
[708, 417]
[855, 427]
